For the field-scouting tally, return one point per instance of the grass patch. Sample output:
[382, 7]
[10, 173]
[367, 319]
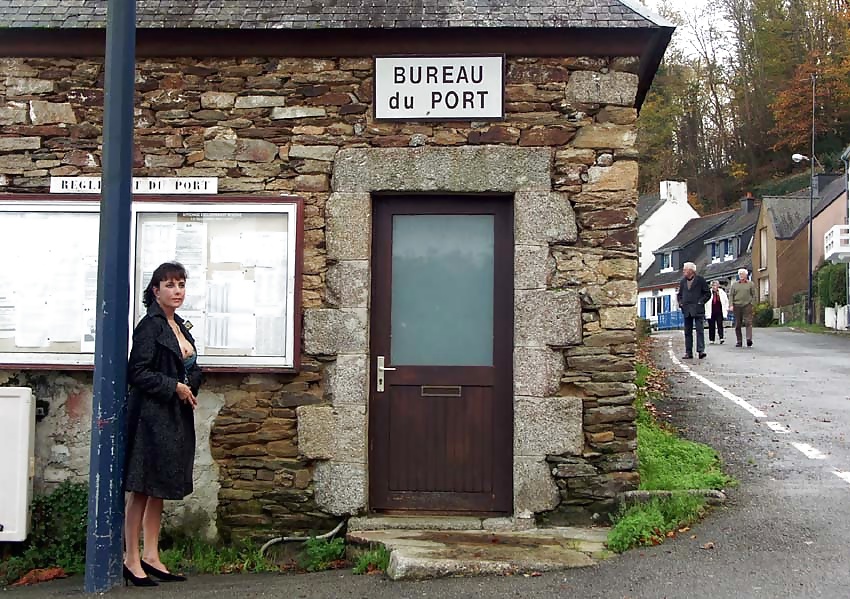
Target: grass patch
[670, 463]
[809, 328]
[374, 560]
[201, 557]
[667, 463]
[650, 523]
[322, 554]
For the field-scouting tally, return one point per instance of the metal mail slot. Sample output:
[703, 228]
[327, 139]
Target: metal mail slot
[440, 390]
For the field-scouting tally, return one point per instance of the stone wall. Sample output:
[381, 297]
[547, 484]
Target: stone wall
[275, 125]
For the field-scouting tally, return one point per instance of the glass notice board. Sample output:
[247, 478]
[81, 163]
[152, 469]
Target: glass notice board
[241, 289]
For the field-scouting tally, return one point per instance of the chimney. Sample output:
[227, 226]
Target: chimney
[822, 180]
[748, 203]
[675, 192]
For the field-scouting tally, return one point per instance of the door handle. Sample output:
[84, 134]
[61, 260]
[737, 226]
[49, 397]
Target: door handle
[381, 370]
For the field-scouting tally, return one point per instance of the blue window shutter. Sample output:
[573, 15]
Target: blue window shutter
[713, 250]
[643, 307]
[666, 303]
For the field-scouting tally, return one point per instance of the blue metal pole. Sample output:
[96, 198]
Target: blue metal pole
[106, 499]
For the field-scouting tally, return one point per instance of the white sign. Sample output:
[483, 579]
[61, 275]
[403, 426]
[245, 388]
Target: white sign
[141, 185]
[450, 87]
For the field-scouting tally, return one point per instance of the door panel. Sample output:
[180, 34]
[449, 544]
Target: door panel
[441, 430]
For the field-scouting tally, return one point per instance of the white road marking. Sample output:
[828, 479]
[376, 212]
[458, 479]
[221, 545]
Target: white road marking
[776, 427]
[727, 394]
[809, 451]
[845, 476]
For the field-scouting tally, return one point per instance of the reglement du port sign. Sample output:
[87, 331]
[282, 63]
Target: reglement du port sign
[411, 88]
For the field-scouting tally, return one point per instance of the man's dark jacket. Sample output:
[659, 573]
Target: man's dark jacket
[692, 301]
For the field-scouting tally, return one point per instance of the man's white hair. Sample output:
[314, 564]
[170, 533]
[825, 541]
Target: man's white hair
[742, 271]
[689, 266]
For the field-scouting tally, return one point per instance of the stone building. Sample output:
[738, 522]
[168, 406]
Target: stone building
[528, 217]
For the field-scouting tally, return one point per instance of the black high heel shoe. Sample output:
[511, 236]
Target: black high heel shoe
[138, 581]
[162, 575]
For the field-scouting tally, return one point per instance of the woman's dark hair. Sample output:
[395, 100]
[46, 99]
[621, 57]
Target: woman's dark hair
[163, 272]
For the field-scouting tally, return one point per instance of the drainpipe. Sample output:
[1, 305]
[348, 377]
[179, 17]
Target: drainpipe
[845, 156]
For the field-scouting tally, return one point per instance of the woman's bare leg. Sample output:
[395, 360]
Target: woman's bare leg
[133, 515]
[151, 524]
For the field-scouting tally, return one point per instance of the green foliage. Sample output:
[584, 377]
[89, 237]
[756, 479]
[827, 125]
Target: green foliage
[57, 537]
[648, 524]
[196, 555]
[832, 284]
[762, 315]
[783, 186]
[671, 464]
[319, 554]
[641, 374]
[374, 560]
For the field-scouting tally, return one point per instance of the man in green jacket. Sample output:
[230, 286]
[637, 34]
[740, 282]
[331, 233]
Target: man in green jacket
[743, 298]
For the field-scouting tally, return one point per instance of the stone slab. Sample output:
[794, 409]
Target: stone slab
[332, 433]
[547, 318]
[537, 371]
[534, 489]
[533, 266]
[422, 554]
[340, 489]
[548, 426]
[329, 332]
[347, 380]
[373, 523]
[593, 87]
[543, 217]
[347, 284]
[462, 169]
[348, 226]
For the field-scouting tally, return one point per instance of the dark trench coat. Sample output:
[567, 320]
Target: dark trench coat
[160, 426]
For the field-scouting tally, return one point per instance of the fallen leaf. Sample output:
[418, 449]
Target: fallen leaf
[693, 536]
[671, 534]
[685, 529]
[708, 545]
[40, 575]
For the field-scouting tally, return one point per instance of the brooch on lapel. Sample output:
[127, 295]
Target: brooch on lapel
[188, 324]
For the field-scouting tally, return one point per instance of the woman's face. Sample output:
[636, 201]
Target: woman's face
[171, 293]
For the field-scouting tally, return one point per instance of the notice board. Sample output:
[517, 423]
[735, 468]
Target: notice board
[242, 257]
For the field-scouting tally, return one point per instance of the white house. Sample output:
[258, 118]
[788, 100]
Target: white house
[660, 217]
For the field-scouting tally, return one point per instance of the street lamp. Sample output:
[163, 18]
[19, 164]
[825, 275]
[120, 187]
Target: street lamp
[800, 158]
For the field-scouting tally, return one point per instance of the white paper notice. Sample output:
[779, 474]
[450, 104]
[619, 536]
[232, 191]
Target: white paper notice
[191, 247]
[7, 317]
[89, 319]
[31, 323]
[237, 331]
[271, 336]
[230, 297]
[159, 244]
[226, 248]
[270, 289]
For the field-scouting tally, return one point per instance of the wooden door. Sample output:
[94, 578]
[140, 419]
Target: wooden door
[441, 428]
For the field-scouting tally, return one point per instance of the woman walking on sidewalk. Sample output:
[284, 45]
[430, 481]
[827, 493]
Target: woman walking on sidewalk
[743, 300]
[716, 309]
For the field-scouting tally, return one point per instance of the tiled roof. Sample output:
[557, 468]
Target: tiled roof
[736, 225]
[697, 228]
[789, 214]
[335, 14]
[647, 205]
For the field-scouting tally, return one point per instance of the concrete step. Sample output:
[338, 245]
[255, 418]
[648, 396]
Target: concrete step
[423, 554]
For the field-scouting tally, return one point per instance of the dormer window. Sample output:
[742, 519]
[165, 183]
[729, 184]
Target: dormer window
[666, 262]
[713, 250]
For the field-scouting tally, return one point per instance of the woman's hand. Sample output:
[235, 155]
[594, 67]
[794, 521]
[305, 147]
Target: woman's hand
[185, 394]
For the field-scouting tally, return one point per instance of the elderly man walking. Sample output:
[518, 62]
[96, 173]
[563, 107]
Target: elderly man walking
[743, 298]
[692, 295]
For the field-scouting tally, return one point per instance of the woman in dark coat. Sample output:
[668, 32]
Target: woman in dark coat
[164, 379]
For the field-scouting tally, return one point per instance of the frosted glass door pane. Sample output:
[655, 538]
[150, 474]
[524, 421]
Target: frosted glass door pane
[442, 290]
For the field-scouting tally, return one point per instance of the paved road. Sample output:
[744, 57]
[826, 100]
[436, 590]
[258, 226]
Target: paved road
[784, 533]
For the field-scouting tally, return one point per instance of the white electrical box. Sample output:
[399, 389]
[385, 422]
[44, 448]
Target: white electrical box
[17, 466]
